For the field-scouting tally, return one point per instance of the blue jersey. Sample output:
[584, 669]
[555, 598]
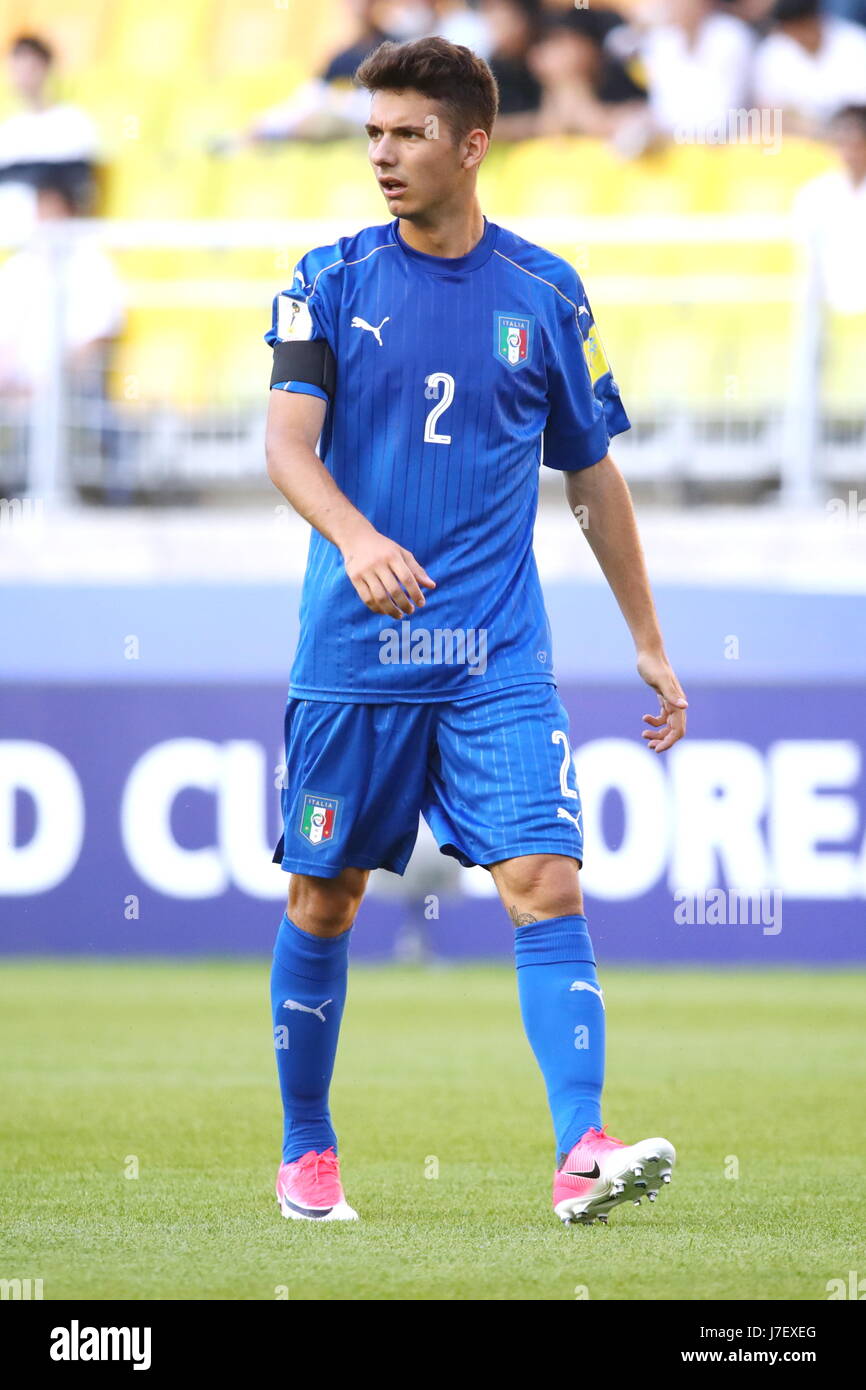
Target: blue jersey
[455, 378]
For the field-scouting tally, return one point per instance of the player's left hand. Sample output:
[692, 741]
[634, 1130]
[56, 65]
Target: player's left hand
[669, 724]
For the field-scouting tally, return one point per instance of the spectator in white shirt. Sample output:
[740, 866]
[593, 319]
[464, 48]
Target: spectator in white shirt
[329, 106]
[43, 136]
[697, 62]
[585, 89]
[830, 211]
[60, 301]
[459, 23]
[810, 65]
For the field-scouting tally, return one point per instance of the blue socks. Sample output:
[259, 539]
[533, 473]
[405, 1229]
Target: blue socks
[560, 1001]
[308, 991]
[563, 1014]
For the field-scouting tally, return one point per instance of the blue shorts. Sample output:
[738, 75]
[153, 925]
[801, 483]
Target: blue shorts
[492, 775]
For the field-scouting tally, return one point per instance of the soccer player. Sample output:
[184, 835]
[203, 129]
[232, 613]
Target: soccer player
[435, 360]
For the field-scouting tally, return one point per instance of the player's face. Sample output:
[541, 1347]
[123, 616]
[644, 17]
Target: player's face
[416, 162]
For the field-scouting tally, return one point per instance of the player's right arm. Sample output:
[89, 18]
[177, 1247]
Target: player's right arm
[385, 576]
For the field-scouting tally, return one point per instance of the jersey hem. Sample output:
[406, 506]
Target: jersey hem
[388, 697]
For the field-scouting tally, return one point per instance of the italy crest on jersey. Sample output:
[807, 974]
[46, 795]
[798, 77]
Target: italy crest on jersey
[318, 817]
[512, 339]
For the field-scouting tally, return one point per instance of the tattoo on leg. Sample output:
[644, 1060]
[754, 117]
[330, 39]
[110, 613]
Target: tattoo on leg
[521, 919]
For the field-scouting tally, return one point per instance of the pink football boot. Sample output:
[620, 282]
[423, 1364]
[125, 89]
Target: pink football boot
[601, 1171]
[310, 1189]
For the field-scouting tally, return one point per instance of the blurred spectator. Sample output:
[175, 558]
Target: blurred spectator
[45, 136]
[460, 23]
[330, 105]
[755, 12]
[810, 65]
[831, 212]
[402, 20]
[57, 277]
[697, 62]
[855, 10]
[586, 90]
[514, 26]
[453, 20]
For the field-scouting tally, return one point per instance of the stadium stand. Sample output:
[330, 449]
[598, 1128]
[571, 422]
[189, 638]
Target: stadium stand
[687, 251]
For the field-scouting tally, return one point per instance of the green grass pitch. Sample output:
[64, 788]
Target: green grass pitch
[170, 1066]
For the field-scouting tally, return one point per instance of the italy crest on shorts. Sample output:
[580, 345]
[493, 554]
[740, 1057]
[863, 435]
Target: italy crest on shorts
[512, 339]
[318, 817]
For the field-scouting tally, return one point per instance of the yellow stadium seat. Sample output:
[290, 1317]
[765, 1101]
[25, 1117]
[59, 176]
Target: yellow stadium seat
[141, 183]
[299, 182]
[664, 182]
[157, 360]
[244, 361]
[132, 111]
[163, 78]
[254, 185]
[193, 358]
[161, 37]
[843, 369]
[760, 181]
[226, 106]
[243, 36]
[538, 178]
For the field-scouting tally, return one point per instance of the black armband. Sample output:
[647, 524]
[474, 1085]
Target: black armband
[310, 362]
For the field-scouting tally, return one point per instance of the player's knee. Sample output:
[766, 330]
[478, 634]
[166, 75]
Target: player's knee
[326, 906]
[540, 885]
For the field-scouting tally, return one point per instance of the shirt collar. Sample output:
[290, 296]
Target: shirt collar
[450, 265]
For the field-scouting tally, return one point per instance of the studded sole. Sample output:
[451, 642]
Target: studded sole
[644, 1176]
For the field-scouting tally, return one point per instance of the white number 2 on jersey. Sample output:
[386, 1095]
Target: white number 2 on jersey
[434, 380]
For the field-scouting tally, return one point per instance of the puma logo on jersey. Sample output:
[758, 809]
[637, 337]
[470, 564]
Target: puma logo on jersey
[566, 815]
[377, 331]
[303, 1008]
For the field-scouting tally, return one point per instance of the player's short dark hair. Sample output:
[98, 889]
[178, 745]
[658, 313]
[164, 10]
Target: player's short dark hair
[446, 72]
[850, 113]
[31, 43]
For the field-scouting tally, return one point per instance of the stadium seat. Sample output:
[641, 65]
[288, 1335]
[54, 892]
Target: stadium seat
[554, 178]
[241, 36]
[131, 111]
[152, 184]
[300, 181]
[162, 80]
[161, 38]
[164, 358]
[843, 368]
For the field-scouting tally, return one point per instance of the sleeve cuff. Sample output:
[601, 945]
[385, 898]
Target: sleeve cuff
[301, 388]
[614, 412]
[570, 455]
